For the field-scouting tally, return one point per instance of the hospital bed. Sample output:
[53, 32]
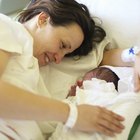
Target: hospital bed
[121, 20]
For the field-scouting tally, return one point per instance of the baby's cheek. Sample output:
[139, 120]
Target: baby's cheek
[79, 83]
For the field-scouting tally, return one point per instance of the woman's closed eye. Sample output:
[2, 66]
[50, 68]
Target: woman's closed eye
[63, 45]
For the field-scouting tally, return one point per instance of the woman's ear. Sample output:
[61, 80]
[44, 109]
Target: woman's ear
[42, 19]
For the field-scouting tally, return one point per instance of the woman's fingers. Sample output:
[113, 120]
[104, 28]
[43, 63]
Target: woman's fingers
[101, 129]
[111, 121]
[110, 127]
[113, 118]
[99, 119]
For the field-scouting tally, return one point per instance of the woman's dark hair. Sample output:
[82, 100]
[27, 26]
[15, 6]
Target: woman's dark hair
[66, 12]
[103, 73]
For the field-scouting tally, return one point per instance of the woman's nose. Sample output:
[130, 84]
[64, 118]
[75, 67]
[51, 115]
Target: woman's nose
[58, 57]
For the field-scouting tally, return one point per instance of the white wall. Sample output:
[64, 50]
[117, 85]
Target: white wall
[121, 19]
[11, 6]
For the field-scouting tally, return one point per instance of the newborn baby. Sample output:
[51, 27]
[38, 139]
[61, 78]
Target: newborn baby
[100, 87]
[102, 73]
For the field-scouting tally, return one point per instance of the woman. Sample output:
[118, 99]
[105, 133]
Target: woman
[48, 31]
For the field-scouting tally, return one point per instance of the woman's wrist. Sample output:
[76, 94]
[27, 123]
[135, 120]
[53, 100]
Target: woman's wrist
[72, 115]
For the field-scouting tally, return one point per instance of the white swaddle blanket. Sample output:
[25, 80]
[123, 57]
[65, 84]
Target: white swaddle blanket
[99, 92]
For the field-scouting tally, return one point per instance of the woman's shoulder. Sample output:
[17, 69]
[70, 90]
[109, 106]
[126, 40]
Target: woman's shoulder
[7, 24]
[4, 17]
[5, 21]
[14, 36]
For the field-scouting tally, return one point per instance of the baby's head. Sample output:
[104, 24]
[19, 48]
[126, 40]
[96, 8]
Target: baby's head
[102, 73]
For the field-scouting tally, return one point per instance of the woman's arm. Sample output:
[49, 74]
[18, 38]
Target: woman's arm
[16, 103]
[113, 57]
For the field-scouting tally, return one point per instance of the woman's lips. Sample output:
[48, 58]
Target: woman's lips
[49, 58]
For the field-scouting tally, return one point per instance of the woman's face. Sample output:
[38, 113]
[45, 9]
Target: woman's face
[52, 43]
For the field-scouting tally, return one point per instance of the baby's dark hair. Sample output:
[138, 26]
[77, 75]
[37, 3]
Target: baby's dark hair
[64, 13]
[103, 73]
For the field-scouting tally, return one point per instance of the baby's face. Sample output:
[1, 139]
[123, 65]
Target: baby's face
[88, 76]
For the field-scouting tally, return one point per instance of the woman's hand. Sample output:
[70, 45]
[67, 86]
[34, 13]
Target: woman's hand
[137, 73]
[98, 119]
